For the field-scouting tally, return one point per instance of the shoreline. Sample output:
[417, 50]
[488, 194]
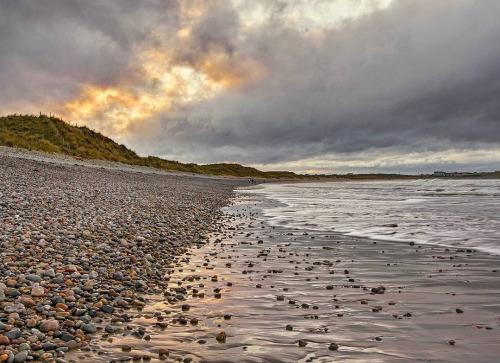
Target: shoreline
[274, 294]
[63, 159]
[356, 232]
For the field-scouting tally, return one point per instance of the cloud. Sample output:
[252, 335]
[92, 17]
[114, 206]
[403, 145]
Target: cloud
[50, 48]
[268, 82]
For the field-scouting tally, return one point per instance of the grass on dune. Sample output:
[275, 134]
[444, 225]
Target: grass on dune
[53, 135]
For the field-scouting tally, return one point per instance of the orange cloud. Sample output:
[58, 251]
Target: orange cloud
[162, 79]
[159, 86]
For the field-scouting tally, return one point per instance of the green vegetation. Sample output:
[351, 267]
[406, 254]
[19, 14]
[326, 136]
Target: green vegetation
[53, 135]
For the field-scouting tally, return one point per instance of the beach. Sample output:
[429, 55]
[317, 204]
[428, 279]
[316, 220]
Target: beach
[105, 265]
[258, 293]
[78, 243]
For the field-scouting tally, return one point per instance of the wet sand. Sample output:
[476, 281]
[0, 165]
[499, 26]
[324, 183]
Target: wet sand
[254, 293]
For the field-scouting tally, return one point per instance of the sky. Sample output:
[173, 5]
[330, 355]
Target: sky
[312, 86]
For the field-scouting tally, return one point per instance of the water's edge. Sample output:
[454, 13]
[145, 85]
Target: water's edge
[262, 293]
[445, 213]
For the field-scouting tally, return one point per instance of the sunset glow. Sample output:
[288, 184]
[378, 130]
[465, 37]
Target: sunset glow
[161, 81]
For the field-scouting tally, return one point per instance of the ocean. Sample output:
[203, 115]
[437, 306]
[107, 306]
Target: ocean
[455, 213]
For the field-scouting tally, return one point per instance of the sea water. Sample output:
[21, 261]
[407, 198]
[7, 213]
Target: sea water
[458, 213]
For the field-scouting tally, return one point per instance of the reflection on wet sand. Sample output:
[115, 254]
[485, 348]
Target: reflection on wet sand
[255, 293]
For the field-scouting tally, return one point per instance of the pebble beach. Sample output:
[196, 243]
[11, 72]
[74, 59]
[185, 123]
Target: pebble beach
[79, 243]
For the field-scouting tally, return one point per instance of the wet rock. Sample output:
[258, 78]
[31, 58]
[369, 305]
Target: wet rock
[108, 329]
[163, 353]
[107, 309]
[333, 346]
[378, 290]
[72, 344]
[66, 337]
[221, 337]
[194, 321]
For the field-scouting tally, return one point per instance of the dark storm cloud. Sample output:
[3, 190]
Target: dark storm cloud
[421, 75]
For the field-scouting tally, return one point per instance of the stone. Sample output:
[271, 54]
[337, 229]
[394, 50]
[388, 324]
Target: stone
[47, 346]
[13, 333]
[108, 309]
[21, 357]
[4, 340]
[46, 357]
[49, 273]
[378, 290]
[11, 292]
[89, 328]
[333, 346]
[37, 291]
[163, 353]
[23, 346]
[49, 325]
[72, 344]
[221, 337]
[14, 308]
[27, 301]
[109, 329]
[66, 337]
[33, 278]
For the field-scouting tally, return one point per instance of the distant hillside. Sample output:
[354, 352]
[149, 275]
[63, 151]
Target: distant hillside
[51, 134]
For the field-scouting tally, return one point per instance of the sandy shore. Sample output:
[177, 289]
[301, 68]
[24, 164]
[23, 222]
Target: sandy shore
[79, 243]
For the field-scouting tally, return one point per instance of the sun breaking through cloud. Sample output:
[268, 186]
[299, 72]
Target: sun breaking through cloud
[161, 80]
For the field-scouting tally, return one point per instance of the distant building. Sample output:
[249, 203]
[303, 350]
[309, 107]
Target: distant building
[455, 173]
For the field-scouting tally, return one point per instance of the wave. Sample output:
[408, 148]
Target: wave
[441, 212]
